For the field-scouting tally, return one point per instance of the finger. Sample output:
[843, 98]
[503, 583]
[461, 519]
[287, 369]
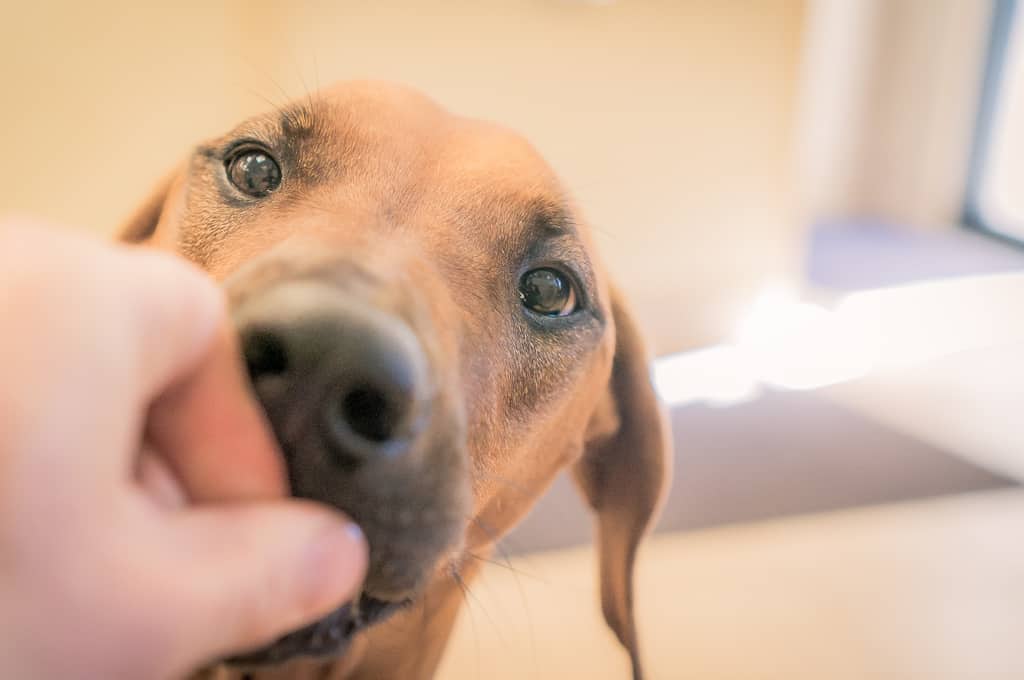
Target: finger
[253, 572]
[212, 433]
[112, 326]
[170, 314]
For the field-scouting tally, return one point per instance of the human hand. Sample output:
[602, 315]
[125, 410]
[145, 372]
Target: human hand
[143, 524]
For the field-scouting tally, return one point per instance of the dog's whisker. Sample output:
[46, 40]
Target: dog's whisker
[302, 79]
[504, 565]
[479, 603]
[469, 610]
[262, 97]
[265, 74]
[523, 601]
[497, 540]
[507, 564]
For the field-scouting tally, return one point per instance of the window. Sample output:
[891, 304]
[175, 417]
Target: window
[995, 190]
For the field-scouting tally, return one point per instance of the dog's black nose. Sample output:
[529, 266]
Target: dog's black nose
[355, 373]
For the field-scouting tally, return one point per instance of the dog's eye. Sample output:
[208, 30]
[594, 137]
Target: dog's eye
[548, 292]
[254, 172]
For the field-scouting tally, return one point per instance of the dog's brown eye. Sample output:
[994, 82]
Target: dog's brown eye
[254, 172]
[547, 292]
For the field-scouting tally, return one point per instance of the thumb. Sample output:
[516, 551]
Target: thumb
[256, 571]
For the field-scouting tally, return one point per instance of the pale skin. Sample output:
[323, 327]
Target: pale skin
[144, 523]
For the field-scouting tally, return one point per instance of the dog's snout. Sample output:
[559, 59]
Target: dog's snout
[376, 399]
[354, 373]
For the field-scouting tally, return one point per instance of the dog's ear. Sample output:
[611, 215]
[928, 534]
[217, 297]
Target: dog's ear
[142, 223]
[624, 471]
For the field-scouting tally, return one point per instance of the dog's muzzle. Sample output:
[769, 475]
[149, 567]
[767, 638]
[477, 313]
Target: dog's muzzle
[359, 412]
[354, 375]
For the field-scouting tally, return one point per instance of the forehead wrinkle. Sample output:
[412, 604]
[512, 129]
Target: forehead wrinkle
[511, 223]
[539, 219]
[548, 218]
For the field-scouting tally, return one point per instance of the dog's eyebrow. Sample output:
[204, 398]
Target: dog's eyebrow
[547, 218]
[299, 119]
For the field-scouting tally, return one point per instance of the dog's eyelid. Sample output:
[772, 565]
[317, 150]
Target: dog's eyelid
[562, 252]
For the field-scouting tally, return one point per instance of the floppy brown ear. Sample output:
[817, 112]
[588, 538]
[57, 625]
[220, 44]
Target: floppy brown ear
[623, 473]
[143, 222]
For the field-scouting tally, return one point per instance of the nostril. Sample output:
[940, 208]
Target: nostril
[265, 354]
[370, 414]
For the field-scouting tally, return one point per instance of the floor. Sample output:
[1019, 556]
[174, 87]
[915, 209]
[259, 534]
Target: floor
[923, 590]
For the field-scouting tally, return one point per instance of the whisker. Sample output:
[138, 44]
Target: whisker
[298, 71]
[497, 541]
[305, 86]
[265, 74]
[468, 591]
[469, 610]
[256, 93]
[505, 565]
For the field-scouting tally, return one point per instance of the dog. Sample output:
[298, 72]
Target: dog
[431, 333]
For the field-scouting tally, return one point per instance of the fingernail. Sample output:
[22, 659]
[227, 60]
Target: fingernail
[355, 533]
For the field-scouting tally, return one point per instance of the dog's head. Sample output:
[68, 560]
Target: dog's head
[429, 330]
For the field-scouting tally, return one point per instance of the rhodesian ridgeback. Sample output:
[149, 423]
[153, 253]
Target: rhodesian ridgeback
[433, 337]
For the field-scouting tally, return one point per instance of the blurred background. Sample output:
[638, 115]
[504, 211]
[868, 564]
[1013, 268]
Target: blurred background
[815, 207]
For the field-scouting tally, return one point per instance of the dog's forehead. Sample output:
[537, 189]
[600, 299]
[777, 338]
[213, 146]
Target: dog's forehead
[392, 126]
[384, 133]
[379, 153]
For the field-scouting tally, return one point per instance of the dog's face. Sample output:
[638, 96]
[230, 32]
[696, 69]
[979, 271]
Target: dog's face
[425, 324]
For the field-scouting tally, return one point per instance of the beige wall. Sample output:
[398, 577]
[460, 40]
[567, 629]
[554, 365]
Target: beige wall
[672, 120]
[888, 108]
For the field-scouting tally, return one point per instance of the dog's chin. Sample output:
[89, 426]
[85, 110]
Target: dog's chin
[327, 638]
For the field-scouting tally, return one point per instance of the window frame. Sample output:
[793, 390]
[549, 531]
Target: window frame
[1001, 27]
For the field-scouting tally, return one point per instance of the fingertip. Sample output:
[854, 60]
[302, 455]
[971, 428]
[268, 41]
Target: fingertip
[334, 568]
[260, 570]
[191, 300]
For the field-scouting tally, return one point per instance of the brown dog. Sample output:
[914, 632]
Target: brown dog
[433, 338]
